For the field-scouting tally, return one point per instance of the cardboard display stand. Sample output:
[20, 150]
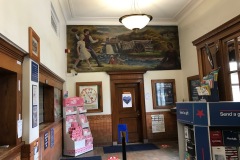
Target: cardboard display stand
[76, 131]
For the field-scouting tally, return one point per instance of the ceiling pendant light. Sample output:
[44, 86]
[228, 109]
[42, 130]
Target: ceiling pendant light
[135, 21]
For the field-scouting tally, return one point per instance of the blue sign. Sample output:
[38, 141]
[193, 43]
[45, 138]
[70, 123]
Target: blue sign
[34, 72]
[202, 142]
[185, 112]
[52, 137]
[200, 114]
[45, 140]
[224, 113]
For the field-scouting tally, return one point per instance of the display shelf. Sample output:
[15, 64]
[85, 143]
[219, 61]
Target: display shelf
[76, 131]
[204, 118]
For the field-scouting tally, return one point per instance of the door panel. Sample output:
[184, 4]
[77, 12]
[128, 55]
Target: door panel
[134, 129]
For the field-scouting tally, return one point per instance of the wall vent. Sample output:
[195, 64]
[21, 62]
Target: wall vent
[54, 20]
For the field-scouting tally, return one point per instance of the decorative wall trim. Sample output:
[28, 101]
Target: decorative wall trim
[11, 49]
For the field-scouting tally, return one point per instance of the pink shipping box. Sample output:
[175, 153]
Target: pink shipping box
[73, 101]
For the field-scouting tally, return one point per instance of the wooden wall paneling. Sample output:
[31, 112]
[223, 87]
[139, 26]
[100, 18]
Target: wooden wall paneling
[54, 152]
[101, 125]
[50, 81]
[11, 58]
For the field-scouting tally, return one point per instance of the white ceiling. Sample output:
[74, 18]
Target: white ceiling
[100, 12]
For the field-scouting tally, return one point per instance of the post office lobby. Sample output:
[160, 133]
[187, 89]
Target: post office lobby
[18, 84]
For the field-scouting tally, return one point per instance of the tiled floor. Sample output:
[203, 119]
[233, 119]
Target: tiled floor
[167, 151]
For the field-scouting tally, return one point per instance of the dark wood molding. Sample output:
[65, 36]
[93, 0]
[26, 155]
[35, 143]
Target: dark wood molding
[126, 75]
[11, 49]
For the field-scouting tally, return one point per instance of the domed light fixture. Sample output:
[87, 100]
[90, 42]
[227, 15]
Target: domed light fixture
[135, 21]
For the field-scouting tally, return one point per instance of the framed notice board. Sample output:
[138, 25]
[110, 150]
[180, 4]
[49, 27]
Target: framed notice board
[193, 82]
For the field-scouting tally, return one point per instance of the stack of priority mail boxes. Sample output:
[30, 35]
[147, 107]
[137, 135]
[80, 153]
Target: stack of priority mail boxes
[225, 144]
[76, 131]
[189, 143]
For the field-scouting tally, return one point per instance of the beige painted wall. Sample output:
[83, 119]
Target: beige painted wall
[206, 17]
[15, 18]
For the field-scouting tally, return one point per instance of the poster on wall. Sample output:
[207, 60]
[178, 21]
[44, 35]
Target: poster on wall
[52, 138]
[34, 116]
[127, 100]
[34, 72]
[158, 124]
[90, 95]
[34, 95]
[45, 140]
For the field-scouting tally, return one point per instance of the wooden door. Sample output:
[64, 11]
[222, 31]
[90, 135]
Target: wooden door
[124, 88]
[129, 114]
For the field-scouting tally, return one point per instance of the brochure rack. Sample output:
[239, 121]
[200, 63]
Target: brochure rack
[76, 131]
[208, 130]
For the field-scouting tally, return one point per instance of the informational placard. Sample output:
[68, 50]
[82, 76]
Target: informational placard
[127, 100]
[45, 140]
[34, 72]
[158, 124]
[52, 138]
[193, 89]
[35, 95]
[19, 128]
[34, 116]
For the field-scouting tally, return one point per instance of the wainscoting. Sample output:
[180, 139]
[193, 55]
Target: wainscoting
[101, 128]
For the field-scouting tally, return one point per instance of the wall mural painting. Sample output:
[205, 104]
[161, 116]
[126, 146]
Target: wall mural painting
[115, 48]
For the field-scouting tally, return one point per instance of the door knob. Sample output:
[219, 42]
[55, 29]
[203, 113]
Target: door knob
[138, 113]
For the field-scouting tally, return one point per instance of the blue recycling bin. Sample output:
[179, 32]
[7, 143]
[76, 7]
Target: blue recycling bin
[122, 128]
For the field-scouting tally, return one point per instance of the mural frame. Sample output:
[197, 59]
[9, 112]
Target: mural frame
[115, 48]
[93, 102]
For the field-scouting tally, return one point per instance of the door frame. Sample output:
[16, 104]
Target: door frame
[126, 77]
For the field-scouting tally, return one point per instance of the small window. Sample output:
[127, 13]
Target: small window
[41, 109]
[57, 104]
[50, 103]
[232, 51]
